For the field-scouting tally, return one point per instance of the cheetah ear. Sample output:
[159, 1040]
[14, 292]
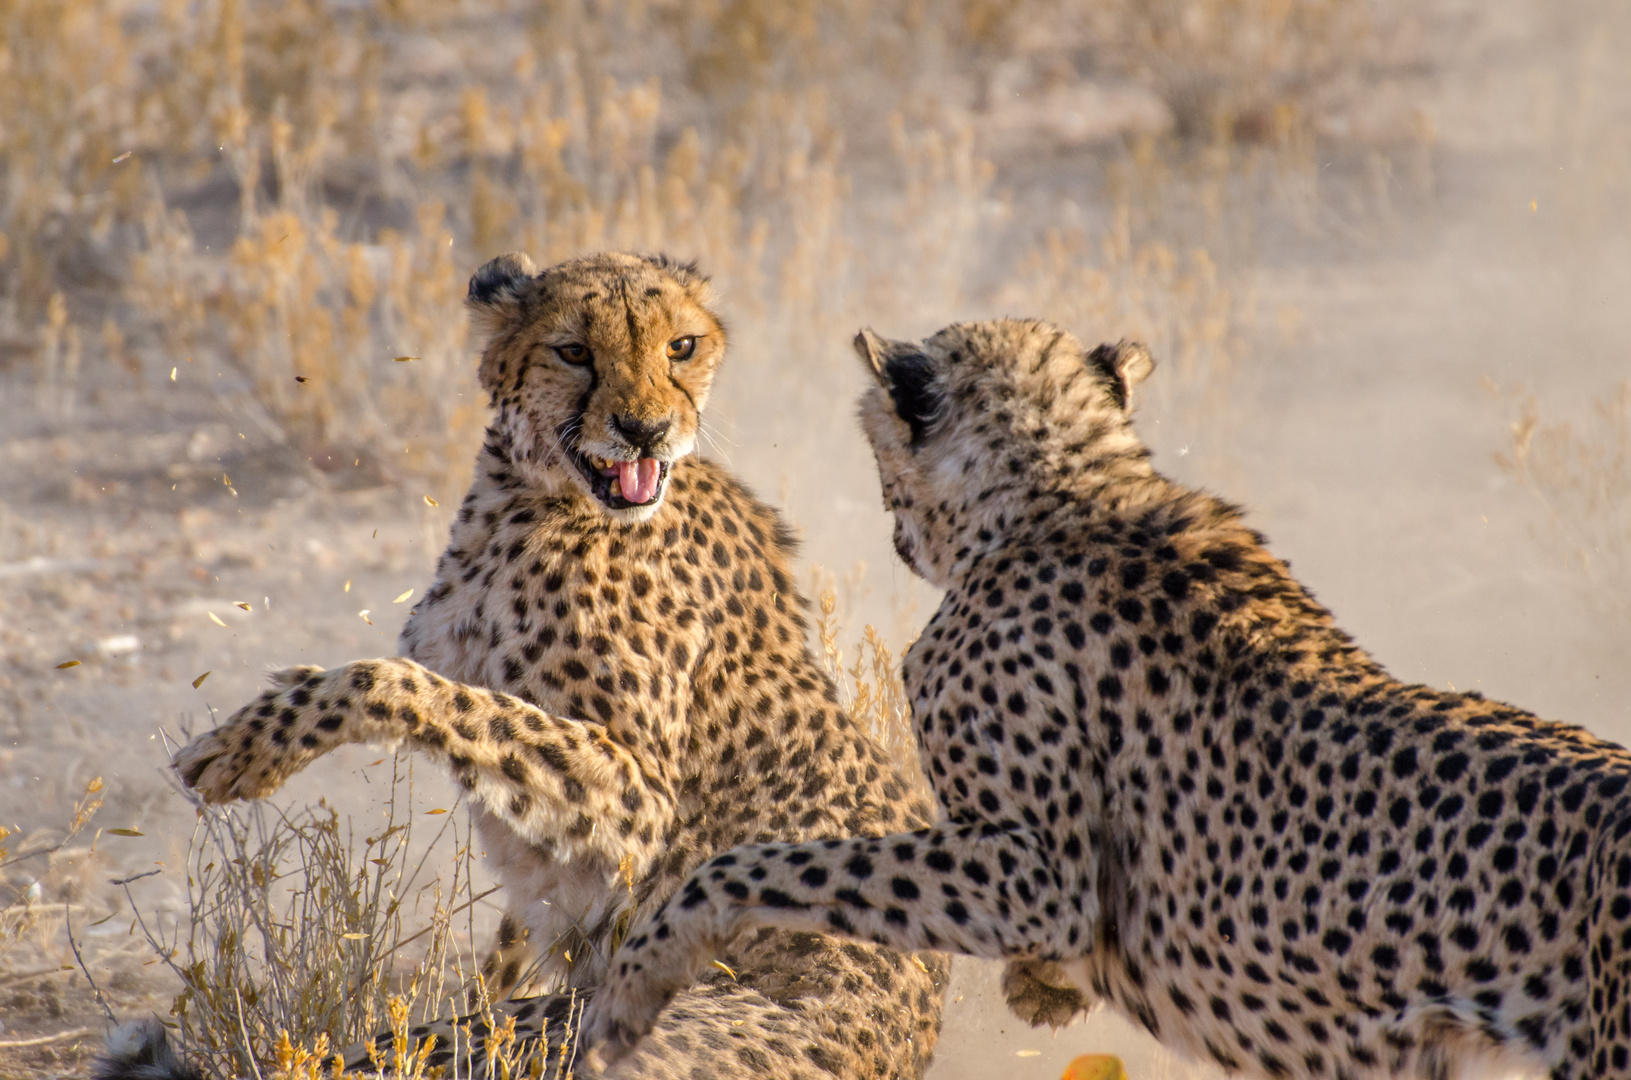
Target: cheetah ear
[1123, 366]
[872, 349]
[686, 273]
[495, 290]
[909, 376]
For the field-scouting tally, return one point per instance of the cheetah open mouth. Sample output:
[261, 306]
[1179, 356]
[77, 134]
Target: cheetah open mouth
[623, 484]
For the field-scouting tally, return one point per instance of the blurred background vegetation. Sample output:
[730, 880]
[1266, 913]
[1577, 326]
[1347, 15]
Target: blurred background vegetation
[302, 188]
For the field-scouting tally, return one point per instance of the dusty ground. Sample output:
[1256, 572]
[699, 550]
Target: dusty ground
[1363, 444]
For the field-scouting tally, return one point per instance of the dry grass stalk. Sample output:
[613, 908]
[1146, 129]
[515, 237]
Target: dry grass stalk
[870, 689]
[25, 909]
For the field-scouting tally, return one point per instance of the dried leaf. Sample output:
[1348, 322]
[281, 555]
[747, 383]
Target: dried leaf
[431, 502]
[371, 764]
[241, 604]
[436, 811]
[405, 359]
[363, 614]
[125, 832]
[216, 619]
[1095, 1067]
[722, 966]
[173, 374]
[355, 937]
[200, 680]
[1028, 1053]
[403, 597]
[347, 584]
[299, 378]
[67, 664]
[123, 157]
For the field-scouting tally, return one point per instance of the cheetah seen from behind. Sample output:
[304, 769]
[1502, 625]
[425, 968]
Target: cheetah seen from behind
[1172, 784]
[613, 663]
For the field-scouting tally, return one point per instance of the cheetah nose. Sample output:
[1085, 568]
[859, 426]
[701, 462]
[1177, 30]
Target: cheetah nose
[642, 434]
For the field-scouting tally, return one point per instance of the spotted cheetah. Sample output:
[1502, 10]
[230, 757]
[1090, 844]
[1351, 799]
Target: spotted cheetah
[1172, 784]
[613, 663]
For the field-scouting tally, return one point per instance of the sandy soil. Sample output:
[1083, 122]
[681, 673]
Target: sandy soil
[1364, 441]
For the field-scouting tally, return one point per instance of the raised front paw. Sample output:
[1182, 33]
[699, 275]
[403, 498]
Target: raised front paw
[1040, 993]
[263, 743]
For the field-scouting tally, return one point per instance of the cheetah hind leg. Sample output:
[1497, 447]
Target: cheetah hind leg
[1041, 994]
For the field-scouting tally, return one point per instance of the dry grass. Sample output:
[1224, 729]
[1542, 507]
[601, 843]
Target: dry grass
[298, 941]
[348, 165]
[870, 688]
[1579, 476]
[1246, 68]
[41, 860]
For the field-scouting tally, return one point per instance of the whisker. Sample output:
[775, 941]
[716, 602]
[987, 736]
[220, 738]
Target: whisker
[714, 431]
[704, 433]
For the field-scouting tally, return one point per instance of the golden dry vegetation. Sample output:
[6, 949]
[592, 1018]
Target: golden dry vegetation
[299, 190]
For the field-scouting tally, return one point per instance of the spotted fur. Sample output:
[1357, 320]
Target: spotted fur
[622, 692]
[1172, 784]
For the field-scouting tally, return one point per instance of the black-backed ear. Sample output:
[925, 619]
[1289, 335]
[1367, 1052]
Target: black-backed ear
[915, 391]
[686, 273]
[494, 300]
[1122, 366]
[908, 374]
[872, 350]
[500, 281]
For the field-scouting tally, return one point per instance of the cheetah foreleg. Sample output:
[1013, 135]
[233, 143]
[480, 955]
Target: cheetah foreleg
[555, 781]
[971, 889]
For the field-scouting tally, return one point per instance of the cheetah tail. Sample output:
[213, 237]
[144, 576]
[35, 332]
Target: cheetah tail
[141, 1051]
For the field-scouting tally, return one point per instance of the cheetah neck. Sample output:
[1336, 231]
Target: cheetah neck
[1132, 503]
[1075, 493]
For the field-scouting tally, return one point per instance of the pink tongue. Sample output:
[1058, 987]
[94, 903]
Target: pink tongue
[638, 479]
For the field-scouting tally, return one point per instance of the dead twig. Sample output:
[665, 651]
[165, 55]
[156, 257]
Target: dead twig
[68, 918]
[41, 1040]
[24, 976]
[455, 911]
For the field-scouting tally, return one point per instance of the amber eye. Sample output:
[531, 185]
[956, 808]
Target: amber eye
[574, 353]
[682, 348]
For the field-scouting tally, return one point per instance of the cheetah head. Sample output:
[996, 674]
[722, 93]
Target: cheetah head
[977, 424]
[598, 369]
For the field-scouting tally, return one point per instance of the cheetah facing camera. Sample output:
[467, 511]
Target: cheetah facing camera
[613, 663]
[1171, 783]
